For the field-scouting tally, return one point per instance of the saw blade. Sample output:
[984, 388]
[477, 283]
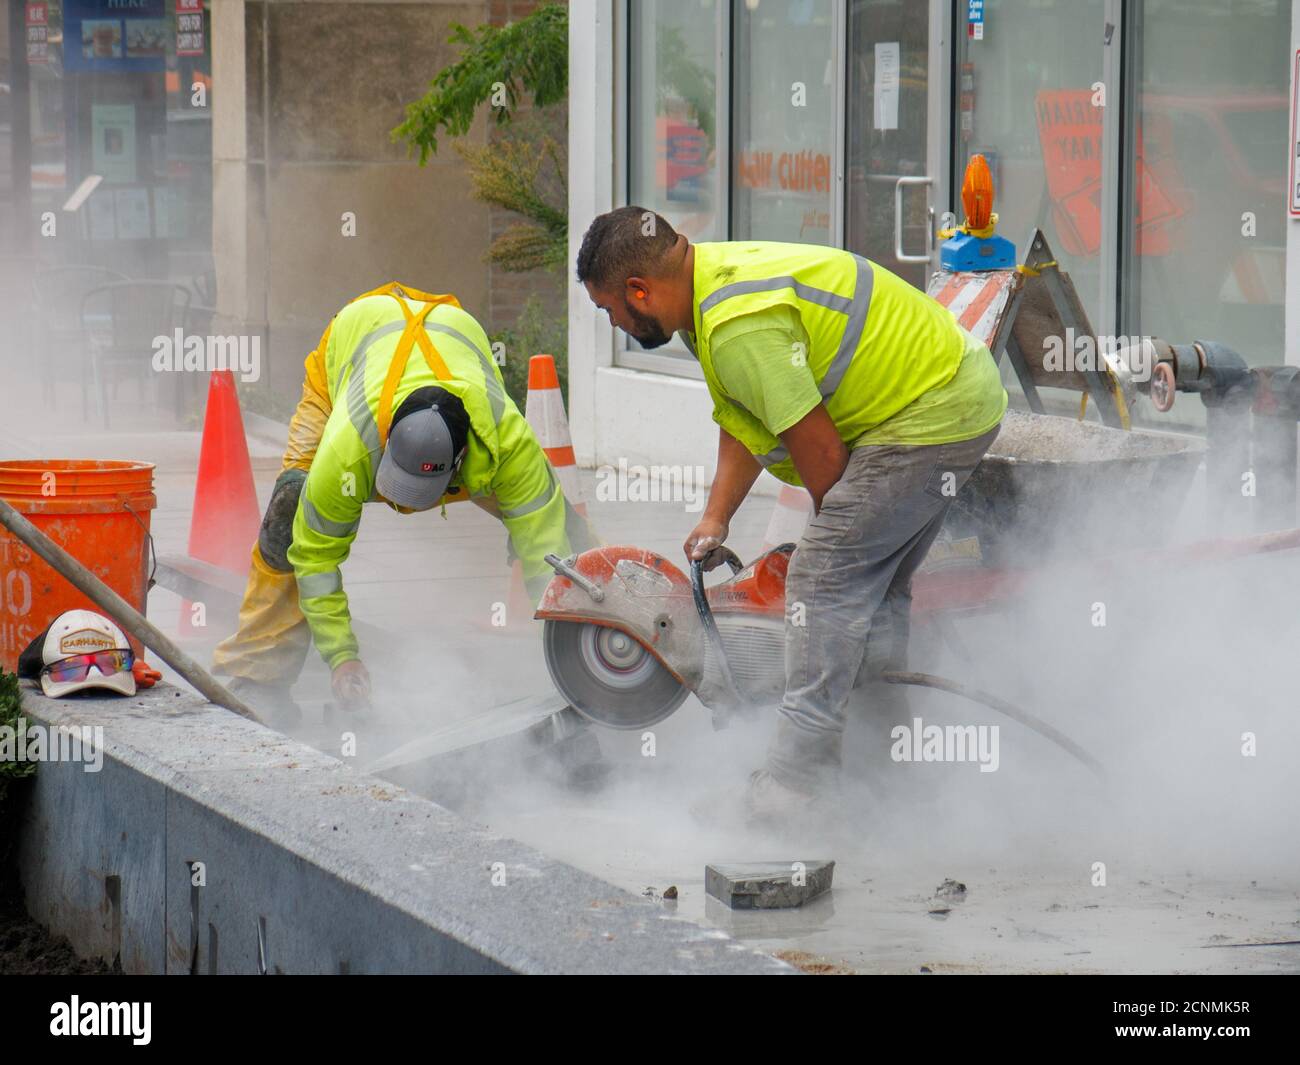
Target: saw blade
[608, 677]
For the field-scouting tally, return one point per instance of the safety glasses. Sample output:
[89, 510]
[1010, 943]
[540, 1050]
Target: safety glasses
[77, 667]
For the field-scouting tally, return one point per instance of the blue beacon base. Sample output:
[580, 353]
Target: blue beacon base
[964, 252]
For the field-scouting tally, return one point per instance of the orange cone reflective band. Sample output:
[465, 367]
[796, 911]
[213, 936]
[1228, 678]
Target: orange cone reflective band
[545, 413]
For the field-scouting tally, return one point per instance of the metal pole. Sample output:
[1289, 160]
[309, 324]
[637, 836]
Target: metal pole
[1273, 447]
[1227, 461]
[1275, 471]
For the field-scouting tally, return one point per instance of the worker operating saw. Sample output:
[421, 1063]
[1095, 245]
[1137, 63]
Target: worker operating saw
[831, 372]
[402, 404]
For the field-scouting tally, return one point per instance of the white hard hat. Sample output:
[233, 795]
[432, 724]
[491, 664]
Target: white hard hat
[67, 646]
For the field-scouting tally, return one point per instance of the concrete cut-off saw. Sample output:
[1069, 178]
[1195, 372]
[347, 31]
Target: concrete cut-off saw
[628, 636]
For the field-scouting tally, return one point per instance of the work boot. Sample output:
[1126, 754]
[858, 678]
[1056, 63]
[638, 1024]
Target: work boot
[270, 701]
[768, 800]
[570, 753]
[765, 802]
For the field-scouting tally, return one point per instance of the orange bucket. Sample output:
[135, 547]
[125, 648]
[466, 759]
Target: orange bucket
[96, 511]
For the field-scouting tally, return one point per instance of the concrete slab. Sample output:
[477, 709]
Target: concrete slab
[208, 844]
[768, 885]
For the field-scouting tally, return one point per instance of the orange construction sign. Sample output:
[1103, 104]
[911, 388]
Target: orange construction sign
[1070, 132]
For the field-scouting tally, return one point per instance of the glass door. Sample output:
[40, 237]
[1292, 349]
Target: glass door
[1207, 239]
[893, 169]
[785, 79]
[1032, 100]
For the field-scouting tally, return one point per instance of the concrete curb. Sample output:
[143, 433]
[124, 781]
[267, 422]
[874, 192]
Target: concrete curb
[310, 866]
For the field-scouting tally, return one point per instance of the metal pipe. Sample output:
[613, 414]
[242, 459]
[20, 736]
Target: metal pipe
[1273, 446]
[131, 620]
[1227, 462]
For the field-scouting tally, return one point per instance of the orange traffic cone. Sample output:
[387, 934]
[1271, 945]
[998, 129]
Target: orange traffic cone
[225, 520]
[519, 605]
[226, 517]
[544, 410]
[789, 516]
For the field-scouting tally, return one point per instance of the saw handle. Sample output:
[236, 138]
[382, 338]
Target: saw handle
[714, 558]
[567, 569]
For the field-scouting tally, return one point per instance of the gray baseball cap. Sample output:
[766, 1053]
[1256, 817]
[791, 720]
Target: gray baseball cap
[421, 457]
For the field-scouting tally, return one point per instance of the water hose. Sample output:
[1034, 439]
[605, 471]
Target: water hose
[923, 680]
[711, 627]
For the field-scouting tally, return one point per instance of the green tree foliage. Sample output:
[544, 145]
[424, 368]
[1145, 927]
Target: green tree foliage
[522, 169]
[524, 173]
[538, 330]
[530, 57]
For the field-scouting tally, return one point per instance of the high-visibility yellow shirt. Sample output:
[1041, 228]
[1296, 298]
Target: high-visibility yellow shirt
[752, 356]
[503, 458]
[874, 344]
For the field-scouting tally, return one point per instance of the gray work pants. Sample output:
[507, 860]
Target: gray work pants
[850, 580]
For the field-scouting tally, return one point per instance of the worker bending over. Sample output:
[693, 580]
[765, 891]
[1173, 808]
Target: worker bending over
[831, 372]
[402, 404]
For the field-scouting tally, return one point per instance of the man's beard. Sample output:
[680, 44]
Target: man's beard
[648, 332]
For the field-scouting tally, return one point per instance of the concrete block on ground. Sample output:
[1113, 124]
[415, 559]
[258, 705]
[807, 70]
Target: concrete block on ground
[768, 885]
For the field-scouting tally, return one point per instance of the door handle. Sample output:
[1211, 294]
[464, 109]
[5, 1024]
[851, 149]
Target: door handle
[899, 254]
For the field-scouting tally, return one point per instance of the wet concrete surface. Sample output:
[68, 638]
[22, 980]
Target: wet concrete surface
[1035, 909]
[1183, 860]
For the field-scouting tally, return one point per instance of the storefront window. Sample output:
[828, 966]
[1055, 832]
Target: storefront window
[122, 92]
[48, 140]
[1027, 100]
[889, 85]
[786, 81]
[676, 150]
[1210, 175]
[674, 84]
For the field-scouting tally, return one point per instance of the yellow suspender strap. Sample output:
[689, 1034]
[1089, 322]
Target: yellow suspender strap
[413, 334]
